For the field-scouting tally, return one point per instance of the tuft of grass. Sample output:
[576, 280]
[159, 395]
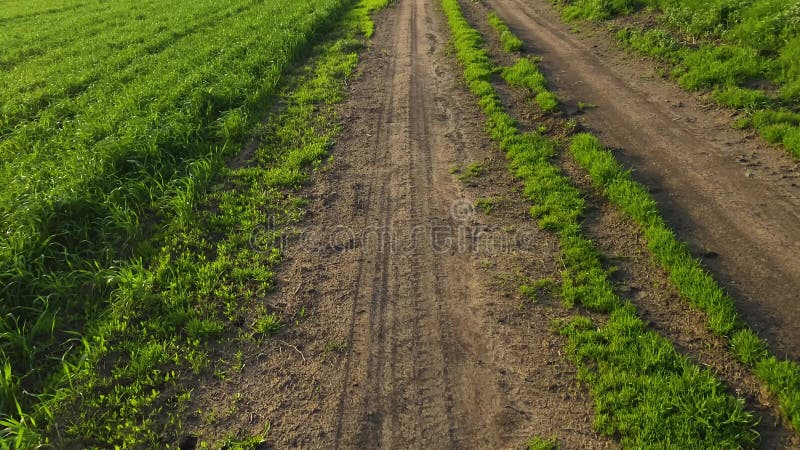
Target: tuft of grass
[268, 324]
[633, 373]
[511, 43]
[737, 97]
[488, 204]
[532, 291]
[524, 73]
[539, 443]
[472, 171]
[239, 442]
[718, 65]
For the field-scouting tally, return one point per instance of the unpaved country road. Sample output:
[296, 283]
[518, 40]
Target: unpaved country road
[724, 193]
[414, 339]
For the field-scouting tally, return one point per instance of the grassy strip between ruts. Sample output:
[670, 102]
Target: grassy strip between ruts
[510, 42]
[205, 285]
[645, 392]
[686, 273]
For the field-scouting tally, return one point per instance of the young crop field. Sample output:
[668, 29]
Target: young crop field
[399, 224]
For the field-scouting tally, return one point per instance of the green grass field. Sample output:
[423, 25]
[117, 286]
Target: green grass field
[116, 122]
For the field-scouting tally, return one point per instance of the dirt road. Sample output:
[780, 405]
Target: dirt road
[413, 331]
[734, 200]
[426, 367]
[415, 334]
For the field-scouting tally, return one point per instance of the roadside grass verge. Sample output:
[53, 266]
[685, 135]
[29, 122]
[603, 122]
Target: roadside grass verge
[746, 54]
[686, 273]
[645, 392]
[123, 382]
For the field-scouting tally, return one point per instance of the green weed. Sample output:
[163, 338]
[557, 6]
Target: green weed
[472, 171]
[539, 443]
[268, 324]
[533, 291]
[510, 42]
[487, 205]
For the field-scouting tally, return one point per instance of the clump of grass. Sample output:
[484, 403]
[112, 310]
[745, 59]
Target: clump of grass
[719, 65]
[487, 204]
[268, 324]
[335, 347]
[600, 9]
[524, 73]
[781, 126]
[654, 42]
[472, 171]
[510, 42]
[539, 443]
[238, 441]
[533, 291]
[738, 97]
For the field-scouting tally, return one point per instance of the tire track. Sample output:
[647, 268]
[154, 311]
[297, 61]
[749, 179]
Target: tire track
[425, 363]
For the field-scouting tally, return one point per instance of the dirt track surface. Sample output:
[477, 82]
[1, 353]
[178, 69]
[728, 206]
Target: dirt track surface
[437, 357]
[415, 334]
[732, 198]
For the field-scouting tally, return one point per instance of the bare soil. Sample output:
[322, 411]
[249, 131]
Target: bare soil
[734, 199]
[414, 334]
